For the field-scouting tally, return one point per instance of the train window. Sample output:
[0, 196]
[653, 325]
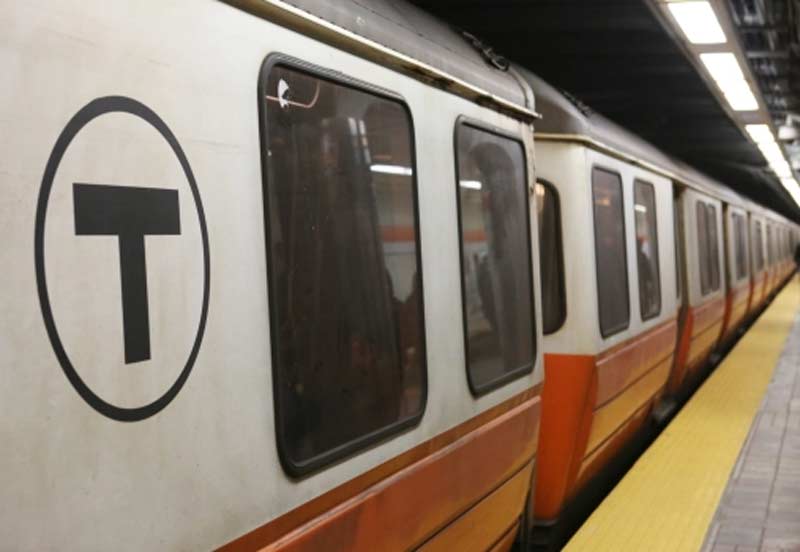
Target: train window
[713, 242]
[702, 248]
[770, 255]
[495, 257]
[739, 245]
[551, 259]
[676, 213]
[613, 302]
[343, 251]
[644, 199]
[758, 247]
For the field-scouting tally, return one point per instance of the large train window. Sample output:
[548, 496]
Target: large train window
[707, 247]
[551, 258]
[713, 249]
[739, 245]
[770, 254]
[613, 302]
[678, 247]
[495, 257]
[758, 247]
[644, 207]
[702, 247]
[344, 266]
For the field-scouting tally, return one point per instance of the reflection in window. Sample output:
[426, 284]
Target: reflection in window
[551, 260]
[345, 285]
[713, 243]
[610, 252]
[770, 254]
[740, 245]
[758, 247]
[495, 256]
[702, 248]
[647, 249]
[676, 213]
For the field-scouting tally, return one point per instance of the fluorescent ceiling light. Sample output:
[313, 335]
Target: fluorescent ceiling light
[791, 186]
[392, 169]
[725, 70]
[771, 151]
[760, 133]
[471, 184]
[782, 169]
[723, 67]
[698, 22]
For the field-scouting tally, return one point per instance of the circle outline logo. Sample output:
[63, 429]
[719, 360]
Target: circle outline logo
[91, 111]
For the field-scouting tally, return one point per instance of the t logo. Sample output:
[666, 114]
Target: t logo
[130, 214]
[73, 296]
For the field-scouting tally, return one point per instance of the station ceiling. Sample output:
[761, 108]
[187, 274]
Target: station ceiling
[618, 58]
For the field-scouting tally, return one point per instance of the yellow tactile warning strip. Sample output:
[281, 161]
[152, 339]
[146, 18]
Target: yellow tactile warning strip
[668, 498]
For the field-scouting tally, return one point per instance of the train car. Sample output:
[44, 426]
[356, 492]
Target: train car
[268, 280]
[611, 313]
[737, 270]
[657, 281]
[758, 261]
[274, 281]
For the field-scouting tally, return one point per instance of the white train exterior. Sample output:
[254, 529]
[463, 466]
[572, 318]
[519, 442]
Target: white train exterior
[172, 291]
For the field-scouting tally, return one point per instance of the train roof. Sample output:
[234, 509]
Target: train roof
[400, 35]
[564, 115]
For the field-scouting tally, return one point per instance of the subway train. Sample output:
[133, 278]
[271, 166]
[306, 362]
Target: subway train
[307, 276]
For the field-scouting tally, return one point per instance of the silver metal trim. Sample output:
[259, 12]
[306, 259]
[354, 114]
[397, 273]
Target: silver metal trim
[291, 17]
[614, 152]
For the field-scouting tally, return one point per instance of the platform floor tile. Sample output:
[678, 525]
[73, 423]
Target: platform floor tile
[760, 509]
[668, 499]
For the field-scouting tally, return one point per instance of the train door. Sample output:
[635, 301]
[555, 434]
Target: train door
[737, 270]
[705, 289]
[684, 322]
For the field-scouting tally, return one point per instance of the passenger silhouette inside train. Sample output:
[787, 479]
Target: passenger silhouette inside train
[343, 241]
[495, 258]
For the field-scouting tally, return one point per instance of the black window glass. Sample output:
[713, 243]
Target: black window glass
[770, 255]
[739, 244]
[702, 248]
[345, 284]
[610, 252]
[495, 256]
[676, 213]
[554, 308]
[644, 206]
[758, 247]
[713, 249]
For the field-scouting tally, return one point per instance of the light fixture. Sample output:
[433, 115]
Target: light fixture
[392, 169]
[781, 168]
[725, 70]
[791, 186]
[771, 151]
[471, 184]
[760, 133]
[698, 22]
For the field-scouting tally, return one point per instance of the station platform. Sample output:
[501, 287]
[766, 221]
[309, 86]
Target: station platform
[724, 475]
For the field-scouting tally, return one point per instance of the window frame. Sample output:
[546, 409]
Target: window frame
[613, 331]
[641, 182]
[703, 256]
[758, 240]
[739, 242]
[348, 449]
[716, 273]
[560, 237]
[491, 385]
